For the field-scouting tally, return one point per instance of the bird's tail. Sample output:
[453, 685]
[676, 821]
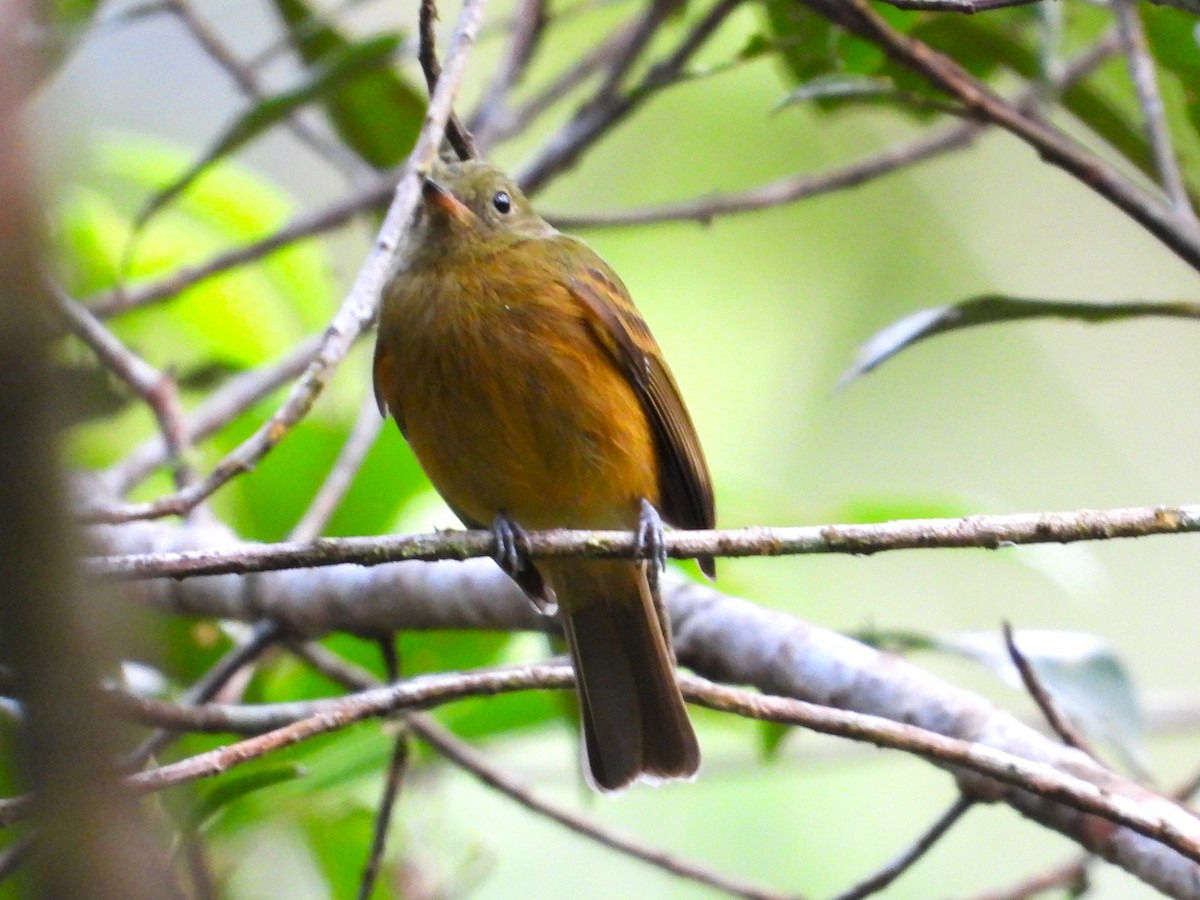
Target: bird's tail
[635, 723]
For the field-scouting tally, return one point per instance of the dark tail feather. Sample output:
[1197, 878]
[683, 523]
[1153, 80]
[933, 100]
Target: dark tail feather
[634, 719]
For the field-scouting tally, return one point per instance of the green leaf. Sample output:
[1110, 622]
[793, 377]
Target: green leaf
[830, 91]
[336, 70]
[810, 46]
[991, 309]
[378, 114]
[875, 508]
[1082, 674]
[69, 12]
[1175, 47]
[225, 323]
[771, 736]
[239, 784]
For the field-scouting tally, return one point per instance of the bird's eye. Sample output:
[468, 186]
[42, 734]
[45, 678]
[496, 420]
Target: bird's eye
[502, 202]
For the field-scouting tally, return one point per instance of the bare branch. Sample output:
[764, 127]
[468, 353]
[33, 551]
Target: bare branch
[474, 763]
[352, 318]
[977, 766]
[327, 498]
[156, 389]
[457, 136]
[570, 78]
[468, 759]
[909, 857]
[1145, 83]
[593, 119]
[1053, 145]
[397, 766]
[218, 410]
[240, 655]
[365, 199]
[984, 531]
[1042, 697]
[722, 637]
[333, 152]
[787, 190]
[528, 26]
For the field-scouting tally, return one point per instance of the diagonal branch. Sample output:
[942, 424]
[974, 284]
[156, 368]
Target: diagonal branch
[1054, 146]
[463, 755]
[1145, 84]
[353, 317]
[721, 637]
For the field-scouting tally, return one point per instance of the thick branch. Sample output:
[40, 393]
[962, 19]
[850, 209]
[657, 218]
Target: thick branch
[721, 637]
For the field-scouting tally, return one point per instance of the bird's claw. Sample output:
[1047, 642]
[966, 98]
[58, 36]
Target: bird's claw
[650, 545]
[512, 555]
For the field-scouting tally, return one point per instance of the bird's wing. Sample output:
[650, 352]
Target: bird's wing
[684, 481]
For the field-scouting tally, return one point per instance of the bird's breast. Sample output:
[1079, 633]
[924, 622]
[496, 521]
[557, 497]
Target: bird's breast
[512, 406]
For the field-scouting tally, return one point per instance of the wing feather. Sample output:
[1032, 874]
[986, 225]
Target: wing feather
[684, 481]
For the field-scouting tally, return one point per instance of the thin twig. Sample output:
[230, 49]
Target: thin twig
[1052, 144]
[1070, 876]
[241, 654]
[355, 449]
[1169, 825]
[641, 31]
[1041, 696]
[475, 764]
[593, 119]
[1145, 84]
[808, 185]
[467, 758]
[909, 857]
[352, 318]
[333, 152]
[218, 410]
[529, 23]
[457, 135]
[397, 766]
[154, 388]
[786, 190]
[983, 531]
[574, 75]
[369, 198]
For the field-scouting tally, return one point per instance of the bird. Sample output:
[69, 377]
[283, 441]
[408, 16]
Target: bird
[534, 396]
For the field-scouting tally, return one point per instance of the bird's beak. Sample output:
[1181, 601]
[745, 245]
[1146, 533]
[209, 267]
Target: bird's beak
[437, 197]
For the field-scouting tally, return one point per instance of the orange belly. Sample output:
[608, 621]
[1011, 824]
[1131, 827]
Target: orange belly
[515, 408]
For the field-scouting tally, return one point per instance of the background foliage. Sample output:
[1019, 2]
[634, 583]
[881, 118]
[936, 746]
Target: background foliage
[156, 159]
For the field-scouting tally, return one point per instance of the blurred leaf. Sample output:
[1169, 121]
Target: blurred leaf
[389, 478]
[1082, 674]
[991, 309]
[238, 784]
[873, 508]
[810, 46]
[1175, 46]
[771, 736]
[339, 838]
[222, 324]
[337, 69]
[825, 87]
[69, 12]
[377, 114]
[895, 640]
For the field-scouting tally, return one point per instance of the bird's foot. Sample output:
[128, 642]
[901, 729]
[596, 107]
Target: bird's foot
[512, 555]
[651, 544]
